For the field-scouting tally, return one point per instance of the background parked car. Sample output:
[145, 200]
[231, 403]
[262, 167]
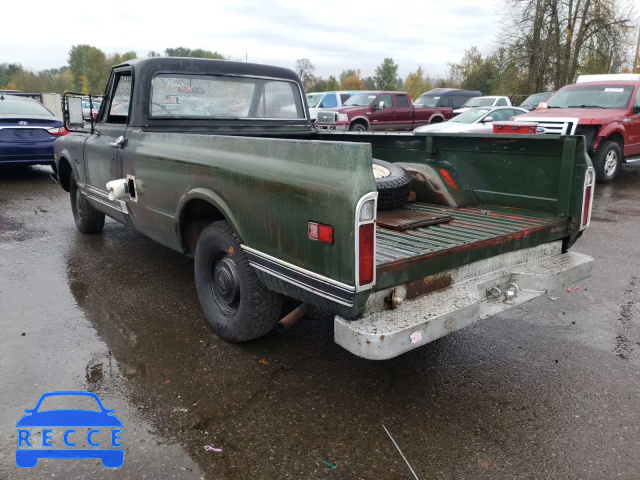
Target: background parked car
[27, 131]
[532, 101]
[474, 120]
[486, 101]
[88, 111]
[372, 111]
[322, 100]
[446, 97]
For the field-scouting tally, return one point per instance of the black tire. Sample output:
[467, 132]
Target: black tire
[607, 160]
[87, 218]
[236, 304]
[393, 189]
[358, 127]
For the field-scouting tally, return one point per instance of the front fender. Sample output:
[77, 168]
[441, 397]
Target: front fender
[608, 130]
[71, 147]
[360, 117]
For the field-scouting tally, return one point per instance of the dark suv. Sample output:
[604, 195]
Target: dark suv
[446, 97]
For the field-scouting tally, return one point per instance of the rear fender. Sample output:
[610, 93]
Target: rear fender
[211, 197]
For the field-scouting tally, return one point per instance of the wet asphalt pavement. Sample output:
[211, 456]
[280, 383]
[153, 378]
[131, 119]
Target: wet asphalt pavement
[547, 390]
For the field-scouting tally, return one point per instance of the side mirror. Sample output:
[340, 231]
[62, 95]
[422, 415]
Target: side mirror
[487, 119]
[75, 118]
[636, 109]
[379, 105]
[72, 113]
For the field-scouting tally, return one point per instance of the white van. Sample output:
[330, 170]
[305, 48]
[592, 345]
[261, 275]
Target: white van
[322, 100]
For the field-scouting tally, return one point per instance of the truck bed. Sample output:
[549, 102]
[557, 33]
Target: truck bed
[471, 230]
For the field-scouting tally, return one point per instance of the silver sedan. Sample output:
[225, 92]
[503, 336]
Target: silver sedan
[475, 120]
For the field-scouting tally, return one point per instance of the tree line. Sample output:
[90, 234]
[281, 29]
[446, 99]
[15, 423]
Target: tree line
[87, 70]
[385, 78]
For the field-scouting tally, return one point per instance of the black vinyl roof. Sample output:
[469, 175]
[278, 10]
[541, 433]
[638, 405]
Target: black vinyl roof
[153, 65]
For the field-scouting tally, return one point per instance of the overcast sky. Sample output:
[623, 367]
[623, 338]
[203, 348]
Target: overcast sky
[333, 35]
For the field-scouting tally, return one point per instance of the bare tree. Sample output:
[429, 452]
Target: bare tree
[554, 38]
[305, 70]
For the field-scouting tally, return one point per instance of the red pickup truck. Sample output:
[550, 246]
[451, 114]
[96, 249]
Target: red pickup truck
[603, 108]
[372, 111]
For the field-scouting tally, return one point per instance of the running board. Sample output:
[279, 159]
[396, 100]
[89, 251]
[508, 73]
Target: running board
[632, 159]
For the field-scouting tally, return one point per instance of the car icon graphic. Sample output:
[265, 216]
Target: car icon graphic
[28, 457]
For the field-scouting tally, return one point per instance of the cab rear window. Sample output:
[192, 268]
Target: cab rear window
[210, 96]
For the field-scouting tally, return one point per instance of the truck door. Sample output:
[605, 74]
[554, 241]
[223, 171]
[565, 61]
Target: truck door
[632, 126]
[382, 117]
[403, 113]
[102, 151]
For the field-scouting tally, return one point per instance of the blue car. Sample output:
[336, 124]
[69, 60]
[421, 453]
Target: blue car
[68, 419]
[27, 131]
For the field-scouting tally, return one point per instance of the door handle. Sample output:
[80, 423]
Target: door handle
[119, 143]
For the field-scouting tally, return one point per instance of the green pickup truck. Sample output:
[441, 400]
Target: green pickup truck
[403, 237]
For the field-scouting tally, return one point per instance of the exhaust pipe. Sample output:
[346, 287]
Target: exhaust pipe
[293, 317]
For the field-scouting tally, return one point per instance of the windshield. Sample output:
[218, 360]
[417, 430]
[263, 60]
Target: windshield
[23, 107]
[471, 116]
[313, 99]
[535, 99]
[427, 101]
[592, 96]
[361, 100]
[480, 102]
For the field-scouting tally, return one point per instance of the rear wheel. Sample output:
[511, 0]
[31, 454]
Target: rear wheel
[607, 161]
[87, 218]
[236, 304]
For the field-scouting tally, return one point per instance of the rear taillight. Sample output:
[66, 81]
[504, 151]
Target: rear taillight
[58, 131]
[587, 201]
[366, 241]
[587, 206]
[366, 254]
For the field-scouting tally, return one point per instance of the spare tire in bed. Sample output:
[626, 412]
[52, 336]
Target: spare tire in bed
[393, 183]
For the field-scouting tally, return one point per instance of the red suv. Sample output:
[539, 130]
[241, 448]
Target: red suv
[603, 108]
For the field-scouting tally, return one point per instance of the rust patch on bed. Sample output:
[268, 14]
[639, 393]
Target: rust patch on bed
[424, 286]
